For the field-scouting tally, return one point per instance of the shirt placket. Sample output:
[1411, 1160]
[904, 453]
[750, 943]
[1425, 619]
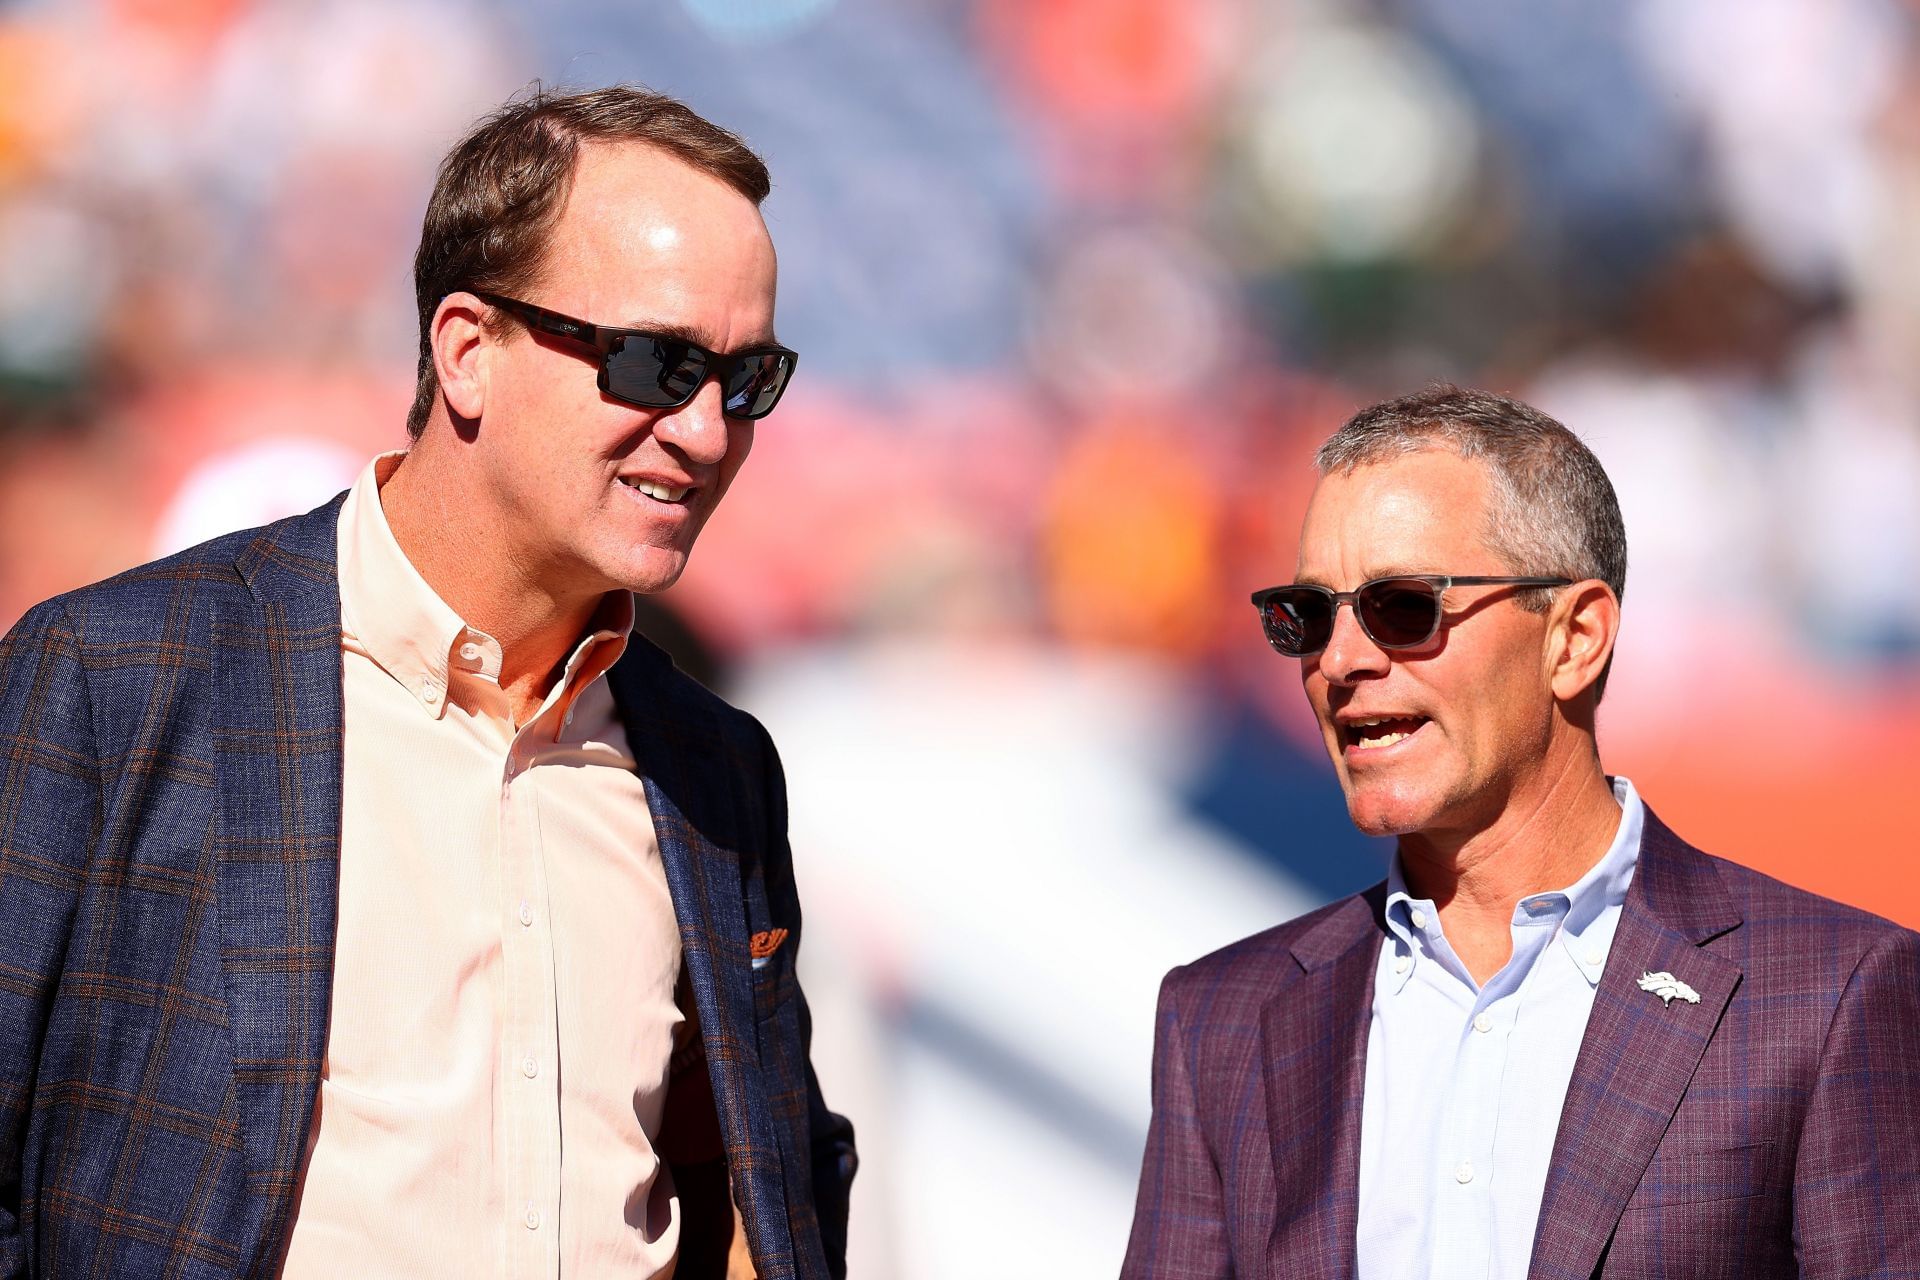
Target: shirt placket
[531, 1097]
[1461, 1213]
[1463, 1203]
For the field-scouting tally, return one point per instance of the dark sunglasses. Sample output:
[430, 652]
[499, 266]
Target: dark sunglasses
[1396, 613]
[653, 371]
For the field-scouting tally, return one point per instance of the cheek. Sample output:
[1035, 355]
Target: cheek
[1315, 687]
[1516, 716]
[739, 445]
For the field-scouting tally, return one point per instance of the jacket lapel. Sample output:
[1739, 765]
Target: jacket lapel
[1314, 1033]
[277, 735]
[1639, 1053]
[682, 755]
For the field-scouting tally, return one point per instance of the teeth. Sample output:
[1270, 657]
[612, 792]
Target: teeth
[661, 492]
[1385, 740]
[1358, 728]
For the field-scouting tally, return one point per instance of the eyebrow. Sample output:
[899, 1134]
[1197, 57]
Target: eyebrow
[687, 333]
[1380, 571]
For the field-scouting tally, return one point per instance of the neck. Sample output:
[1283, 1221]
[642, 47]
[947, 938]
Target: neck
[1545, 840]
[460, 548]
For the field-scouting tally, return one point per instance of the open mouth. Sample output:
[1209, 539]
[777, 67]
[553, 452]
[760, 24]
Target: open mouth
[1382, 731]
[675, 494]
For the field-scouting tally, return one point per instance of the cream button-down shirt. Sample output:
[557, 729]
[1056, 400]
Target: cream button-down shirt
[503, 984]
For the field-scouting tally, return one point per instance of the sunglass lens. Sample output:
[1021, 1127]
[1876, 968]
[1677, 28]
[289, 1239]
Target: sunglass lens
[658, 372]
[1399, 614]
[1298, 622]
[756, 383]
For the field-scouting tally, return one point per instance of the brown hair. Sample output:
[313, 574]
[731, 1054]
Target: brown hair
[503, 186]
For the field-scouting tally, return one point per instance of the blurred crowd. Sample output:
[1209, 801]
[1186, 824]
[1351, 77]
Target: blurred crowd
[1077, 287]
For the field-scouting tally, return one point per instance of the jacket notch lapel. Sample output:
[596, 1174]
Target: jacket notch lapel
[1314, 1041]
[1639, 1052]
[277, 736]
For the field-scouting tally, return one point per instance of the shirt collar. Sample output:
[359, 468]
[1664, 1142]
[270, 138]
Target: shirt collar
[1595, 899]
[1605, 884]
[1413, 940]
[386, 605]
[1591, 905]
[404, 625]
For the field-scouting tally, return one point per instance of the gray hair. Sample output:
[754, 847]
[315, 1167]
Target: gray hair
[1553, 511]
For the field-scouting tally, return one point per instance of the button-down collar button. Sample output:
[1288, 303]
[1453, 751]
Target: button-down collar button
[1463, 1172]
[1595, 956]
[1418, 917]
[431, 692]
[1482, 1023]
[470, 651]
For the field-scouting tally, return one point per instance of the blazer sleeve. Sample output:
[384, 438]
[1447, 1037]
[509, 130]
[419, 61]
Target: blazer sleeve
[50, 816]
[1856, 1187]
[1179, 1219]
[834, 1159]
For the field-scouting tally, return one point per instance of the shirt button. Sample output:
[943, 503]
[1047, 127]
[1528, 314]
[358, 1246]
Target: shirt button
[470, 651]
[1419, 918]
[529, 1068]
[1402, 964]
[533, 1218]
[526, 914]
[1463, 1172]
[1482, 1023]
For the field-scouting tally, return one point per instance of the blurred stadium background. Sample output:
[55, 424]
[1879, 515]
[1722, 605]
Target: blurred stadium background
[1078, 284]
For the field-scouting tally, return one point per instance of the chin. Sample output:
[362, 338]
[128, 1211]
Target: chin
[1383, 811]
[652, 581]
[649, 570]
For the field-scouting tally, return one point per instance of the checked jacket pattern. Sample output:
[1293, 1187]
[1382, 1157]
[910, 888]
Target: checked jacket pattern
[1770, 1130]
[170, 763]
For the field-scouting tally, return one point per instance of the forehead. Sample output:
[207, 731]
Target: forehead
[646, 237]
[1422, 512]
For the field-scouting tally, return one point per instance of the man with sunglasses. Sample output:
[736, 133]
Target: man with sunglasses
[1557, 1041]
[371, 901]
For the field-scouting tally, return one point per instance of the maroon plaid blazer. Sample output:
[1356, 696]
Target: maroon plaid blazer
[1772, 1129]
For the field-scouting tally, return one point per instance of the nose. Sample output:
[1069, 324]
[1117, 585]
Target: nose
[698, 428]
[1351, 655]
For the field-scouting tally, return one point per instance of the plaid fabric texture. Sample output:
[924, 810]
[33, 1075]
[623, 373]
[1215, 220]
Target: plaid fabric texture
[1770, 1130]
[170, 755]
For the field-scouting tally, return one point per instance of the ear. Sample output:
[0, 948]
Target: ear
[1581, 629]
[460, 347]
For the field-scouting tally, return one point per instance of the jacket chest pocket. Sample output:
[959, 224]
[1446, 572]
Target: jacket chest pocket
[771, 952]
[1718, 1214]
[1699, 1177]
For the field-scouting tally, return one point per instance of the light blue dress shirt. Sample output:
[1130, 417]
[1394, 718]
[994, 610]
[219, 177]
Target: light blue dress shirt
[1465, 1083]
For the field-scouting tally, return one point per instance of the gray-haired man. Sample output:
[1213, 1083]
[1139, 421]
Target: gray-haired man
[1557, 1041]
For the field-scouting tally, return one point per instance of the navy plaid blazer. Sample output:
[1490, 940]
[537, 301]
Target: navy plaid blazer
[170, 781]
[1771, 1130]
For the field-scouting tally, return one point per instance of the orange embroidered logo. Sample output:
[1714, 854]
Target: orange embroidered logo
[765, 943]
